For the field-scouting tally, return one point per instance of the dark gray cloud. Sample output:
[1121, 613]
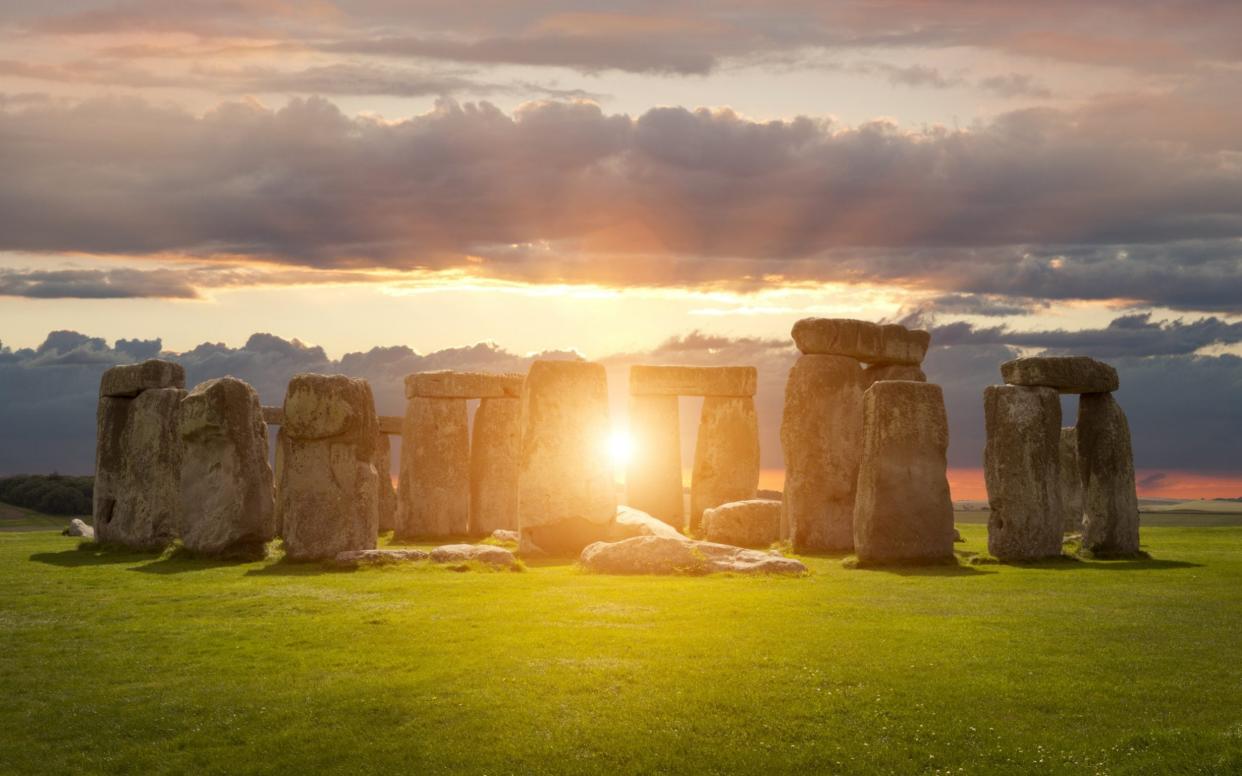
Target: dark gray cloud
[1039, 203]
[96, 284]
[1184, 410]
[1129, 335]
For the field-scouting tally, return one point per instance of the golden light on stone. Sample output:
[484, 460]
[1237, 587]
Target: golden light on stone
[621, 447]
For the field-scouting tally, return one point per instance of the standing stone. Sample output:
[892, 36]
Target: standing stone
[387, 496]
[435, 469]
[1021, 467]
[567, 494]
[1071, 481]
[653, 479]
[226, 495]
[1110, 503]
[904, 513]
[878, 372]
[495, 450]
[821, 436]
[327, 498]
[129, 380]
[726, 456]
[137, 469]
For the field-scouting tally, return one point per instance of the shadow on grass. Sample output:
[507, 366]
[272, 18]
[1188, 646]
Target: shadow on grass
[91, 554]
[1075, 563]
[297, 568]
[948, 568]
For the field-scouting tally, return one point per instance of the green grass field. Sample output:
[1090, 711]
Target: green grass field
[125, 663]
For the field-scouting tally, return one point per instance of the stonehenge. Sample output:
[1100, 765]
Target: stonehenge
[1021, 468]
[328, 492]
[1044, 480]
[822, 425]
[726, 456]
[566, 494]
[904, 513]
[751, 523]
[451, 484]
[227, 502]
[138, 455]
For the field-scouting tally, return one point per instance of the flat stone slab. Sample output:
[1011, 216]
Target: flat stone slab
[355, 558]
[660, 380]
[1067, 374]
[274, 416]
[631, 522]
[463, 385]
[752, 523]
[390, 424]
[662, 555]
[871, 343]
[129, 380]
[483, 553]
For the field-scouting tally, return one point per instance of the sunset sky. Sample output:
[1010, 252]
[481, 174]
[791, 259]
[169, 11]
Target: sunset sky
[636, 181]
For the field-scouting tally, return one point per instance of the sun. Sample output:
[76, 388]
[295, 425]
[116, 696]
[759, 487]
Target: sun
[620, 447]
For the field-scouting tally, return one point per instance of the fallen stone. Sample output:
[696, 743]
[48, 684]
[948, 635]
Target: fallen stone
[869, 342]
[1021, 467]
[878, 372]
[661, 380]
[662, 555]
[227, 497]
[903, 512]
[327, 485]
[463, 385]
[1071, 481]
[653, 476]
[1110, 525]
[434, 490]
[78, 527]
[1067, 374]
[726, 456]
[750, 523]
[138, 469]
[505, 535]
[631, 522]
[129, 380]
[386, 503]
[325, 406]
[821, 437]
[495, 448]
[567, 496]
[957, 537]
[482, 553]
[391, 424]
[386, 557]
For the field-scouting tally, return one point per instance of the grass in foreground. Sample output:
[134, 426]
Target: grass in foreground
[125, 663]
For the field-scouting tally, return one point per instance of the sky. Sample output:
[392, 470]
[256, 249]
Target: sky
[628, 181]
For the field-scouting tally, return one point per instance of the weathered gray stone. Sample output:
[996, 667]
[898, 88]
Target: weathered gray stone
[631, 522]
[274, 416]
[386, 557]
[752, 523]
[1067, 374]
[434, 489]
[129, 380]
[386, 503]
[506, 535]
[327, 485]
[227, 500]
[653, 476]
[1110, 524]
[903, 512]
[821, 436]
[664, 555]
[670, 380]
[138, 469]
[1021, 466]
[726, 456]
[326, 406]
[870, 342]
[78, 527]
[495, 451]
[482, 553]
[391, 424]
[878, 372]
[1071, 481]
[463, 385]
[567, 493]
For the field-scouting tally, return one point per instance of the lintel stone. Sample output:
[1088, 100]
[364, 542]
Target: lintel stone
[662, 380]
[1067, 374]
[449, 384]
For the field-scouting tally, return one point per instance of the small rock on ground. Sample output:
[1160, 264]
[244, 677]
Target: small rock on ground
[661, 555]
[78, 527]
[483, 553]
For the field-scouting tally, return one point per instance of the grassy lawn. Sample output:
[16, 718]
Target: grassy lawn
[125, 663]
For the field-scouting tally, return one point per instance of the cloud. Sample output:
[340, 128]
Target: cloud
[96, 284]
[1128, 335]
[1038, 203]
[1014, 85]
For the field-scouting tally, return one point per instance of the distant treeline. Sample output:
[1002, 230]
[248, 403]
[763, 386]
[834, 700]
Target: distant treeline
[51, 494]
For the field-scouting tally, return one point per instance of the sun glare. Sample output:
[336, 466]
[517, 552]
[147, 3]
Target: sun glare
[620, 447]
